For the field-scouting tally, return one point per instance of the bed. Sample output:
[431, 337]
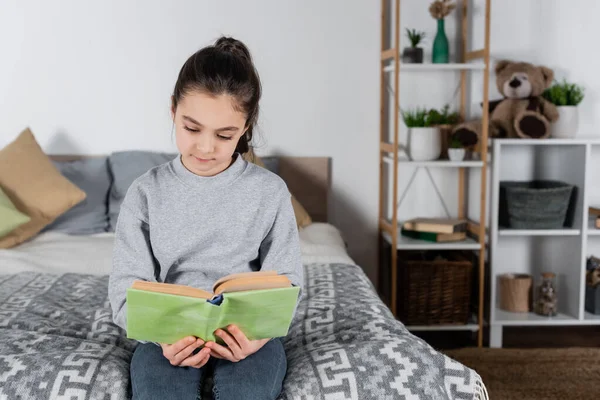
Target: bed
[57, 339]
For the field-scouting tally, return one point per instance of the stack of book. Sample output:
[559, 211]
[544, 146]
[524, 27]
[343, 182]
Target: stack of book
[435, 229]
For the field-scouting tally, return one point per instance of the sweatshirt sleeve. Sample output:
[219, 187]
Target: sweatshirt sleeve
[280, 249]
[132, 260]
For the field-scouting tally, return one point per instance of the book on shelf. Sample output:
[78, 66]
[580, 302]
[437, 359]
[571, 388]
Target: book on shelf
[434, 236]
[260, 303]
[594, 212]
[436, 225]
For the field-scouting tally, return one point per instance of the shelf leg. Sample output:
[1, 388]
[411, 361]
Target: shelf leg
[496, 336]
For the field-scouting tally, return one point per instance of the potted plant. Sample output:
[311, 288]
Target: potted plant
[445, 121]
[456, 151]
[566, 97]
[443, 118]
[424, 140]
[414, 53]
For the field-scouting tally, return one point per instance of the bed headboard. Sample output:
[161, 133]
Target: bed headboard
[308, 178]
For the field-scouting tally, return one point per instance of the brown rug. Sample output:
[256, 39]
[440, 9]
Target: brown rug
[563, 373]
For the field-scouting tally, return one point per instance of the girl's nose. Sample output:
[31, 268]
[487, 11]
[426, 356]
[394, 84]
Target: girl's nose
[205, 144]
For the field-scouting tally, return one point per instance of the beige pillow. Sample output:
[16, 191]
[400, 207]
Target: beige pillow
[34, 186]
[302, 217]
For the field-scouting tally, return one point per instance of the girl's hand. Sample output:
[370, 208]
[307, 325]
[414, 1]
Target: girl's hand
[238, 345]
[179, 352]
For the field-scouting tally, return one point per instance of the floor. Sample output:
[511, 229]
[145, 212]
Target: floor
[549, 363]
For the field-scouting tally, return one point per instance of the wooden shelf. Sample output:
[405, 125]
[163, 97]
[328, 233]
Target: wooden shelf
[436, 163]
[390, 171]
[437, 67]
[406, 243]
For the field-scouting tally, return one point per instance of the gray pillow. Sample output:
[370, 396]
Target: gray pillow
[89, 216]
[125, 167]
[271, 163]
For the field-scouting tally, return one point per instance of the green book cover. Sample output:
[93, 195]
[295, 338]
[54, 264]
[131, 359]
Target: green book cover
[167, 318]
[433, 236]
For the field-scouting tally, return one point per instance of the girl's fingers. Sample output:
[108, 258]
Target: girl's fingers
[233, 345]
[198, 359]
[215, 355]
[240, 338]
[169, 350]
[221, 351]
[202, 363]
[185, 353]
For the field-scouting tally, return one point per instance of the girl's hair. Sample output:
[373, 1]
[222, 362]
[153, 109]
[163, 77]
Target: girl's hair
[224, 68]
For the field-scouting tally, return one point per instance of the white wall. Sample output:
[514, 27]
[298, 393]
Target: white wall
[94, 77]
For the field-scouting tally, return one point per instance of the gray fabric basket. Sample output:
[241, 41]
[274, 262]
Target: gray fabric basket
[538, 204]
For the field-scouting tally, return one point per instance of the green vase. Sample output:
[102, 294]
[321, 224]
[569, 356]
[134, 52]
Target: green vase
[440, 54]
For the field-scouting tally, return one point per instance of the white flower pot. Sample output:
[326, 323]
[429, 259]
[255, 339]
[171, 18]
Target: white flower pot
[456, 154]
[568, 123]
[424, 144]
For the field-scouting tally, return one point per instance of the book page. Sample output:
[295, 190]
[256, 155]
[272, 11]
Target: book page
[253, 283]
[242, 275]
[170, 288]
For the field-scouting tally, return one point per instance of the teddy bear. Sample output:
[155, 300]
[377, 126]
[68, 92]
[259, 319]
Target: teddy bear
[522, 113]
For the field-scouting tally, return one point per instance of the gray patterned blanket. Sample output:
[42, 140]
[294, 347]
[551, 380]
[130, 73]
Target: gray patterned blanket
[57, 341]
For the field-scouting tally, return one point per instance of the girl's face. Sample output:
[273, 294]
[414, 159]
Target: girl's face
[207, 130]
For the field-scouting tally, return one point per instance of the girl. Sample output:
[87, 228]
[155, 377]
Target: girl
[203, 215]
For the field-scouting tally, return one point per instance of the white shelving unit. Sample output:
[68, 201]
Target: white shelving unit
[562, 251]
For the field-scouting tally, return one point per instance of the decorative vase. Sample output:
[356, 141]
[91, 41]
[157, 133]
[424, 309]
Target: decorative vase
[545, 296]
[424, 144]
[440, 54]
[456, 154]
[568, 123]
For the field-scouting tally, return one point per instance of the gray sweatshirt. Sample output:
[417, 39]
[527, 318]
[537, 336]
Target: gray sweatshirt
[177, 227]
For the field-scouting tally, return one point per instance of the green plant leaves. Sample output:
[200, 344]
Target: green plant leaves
[415, 36]
[564, 94]
[424, 117]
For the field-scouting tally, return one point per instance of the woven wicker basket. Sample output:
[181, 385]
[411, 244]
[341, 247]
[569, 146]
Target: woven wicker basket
[433, 292]
[515, 292]
[539, 204]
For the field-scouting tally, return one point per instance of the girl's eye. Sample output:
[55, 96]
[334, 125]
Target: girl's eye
[187, 128]
[224, 137]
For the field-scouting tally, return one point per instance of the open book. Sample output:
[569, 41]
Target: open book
[260, 303]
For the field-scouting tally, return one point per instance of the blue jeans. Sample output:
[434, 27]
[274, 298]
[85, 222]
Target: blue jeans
[259, 376]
